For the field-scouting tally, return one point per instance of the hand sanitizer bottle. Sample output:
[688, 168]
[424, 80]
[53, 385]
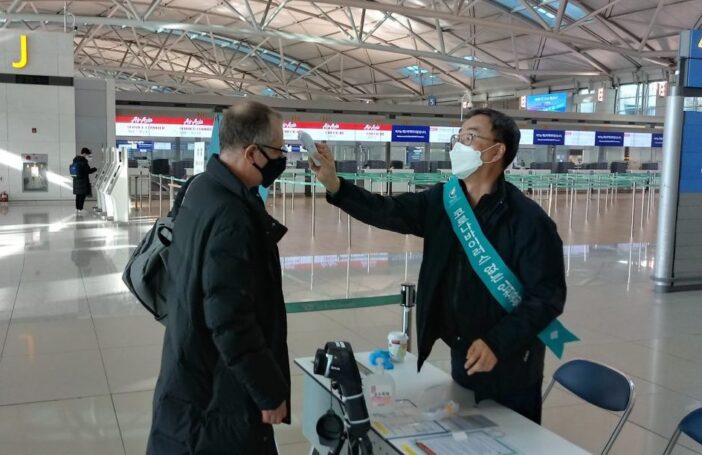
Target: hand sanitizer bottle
[379, 389]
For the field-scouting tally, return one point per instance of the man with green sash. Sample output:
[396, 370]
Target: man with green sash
[492, 280]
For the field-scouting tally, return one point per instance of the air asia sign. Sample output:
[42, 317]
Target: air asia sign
[23, 58]
[332, 131]
[138, 126]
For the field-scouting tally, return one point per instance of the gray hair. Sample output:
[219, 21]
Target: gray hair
[245, 124]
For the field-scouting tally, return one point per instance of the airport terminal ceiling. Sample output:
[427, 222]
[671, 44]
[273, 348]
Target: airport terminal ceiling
[357, 50]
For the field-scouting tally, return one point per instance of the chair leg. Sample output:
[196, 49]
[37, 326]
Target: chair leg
[672, 442]
[618, 429]
[548, 390]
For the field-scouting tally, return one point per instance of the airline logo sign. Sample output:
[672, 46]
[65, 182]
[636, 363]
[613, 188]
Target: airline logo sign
[137, 126]
[332, 131]
[374, 132]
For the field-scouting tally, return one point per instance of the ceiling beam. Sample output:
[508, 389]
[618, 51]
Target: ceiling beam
[296, 37]
[426, 13]
[450, 17]
[651, 24]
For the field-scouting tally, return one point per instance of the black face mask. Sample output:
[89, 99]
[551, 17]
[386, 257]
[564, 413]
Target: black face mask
[272, 170]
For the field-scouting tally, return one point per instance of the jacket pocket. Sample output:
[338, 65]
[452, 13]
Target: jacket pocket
[176, 423]
[228, 433]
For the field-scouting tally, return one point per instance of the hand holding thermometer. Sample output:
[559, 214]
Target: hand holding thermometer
[308, 143]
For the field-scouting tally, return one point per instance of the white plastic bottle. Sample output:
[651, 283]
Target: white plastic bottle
[379, 389]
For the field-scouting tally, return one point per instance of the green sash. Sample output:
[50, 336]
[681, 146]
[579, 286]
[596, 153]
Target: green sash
[489, 266]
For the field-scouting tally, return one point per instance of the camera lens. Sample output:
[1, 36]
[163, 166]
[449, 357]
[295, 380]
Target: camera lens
[320, 362]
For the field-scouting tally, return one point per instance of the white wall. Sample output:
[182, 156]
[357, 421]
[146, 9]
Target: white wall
[50, 109]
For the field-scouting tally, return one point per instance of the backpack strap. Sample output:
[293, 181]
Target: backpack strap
[180, 197]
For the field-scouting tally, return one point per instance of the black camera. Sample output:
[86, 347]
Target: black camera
[337, 362]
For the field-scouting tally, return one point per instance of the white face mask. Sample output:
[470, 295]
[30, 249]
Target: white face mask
[465, 160]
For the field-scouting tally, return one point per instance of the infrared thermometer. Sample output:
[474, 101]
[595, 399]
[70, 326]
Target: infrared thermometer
[308, 143]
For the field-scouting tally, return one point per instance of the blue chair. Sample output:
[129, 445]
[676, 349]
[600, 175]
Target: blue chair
[691, 425]
[599, 385]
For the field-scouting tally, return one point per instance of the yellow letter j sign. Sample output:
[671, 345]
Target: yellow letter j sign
[22, 62]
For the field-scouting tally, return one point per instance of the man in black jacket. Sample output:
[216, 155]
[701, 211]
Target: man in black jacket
[81, 181]
[493, 353]
[225, 375]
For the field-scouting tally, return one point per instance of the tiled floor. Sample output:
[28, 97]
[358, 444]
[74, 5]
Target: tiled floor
[79, 358]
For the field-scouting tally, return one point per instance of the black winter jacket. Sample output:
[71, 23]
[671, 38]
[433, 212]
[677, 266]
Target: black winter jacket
[526, 239]
[81, 184]
[225, 355]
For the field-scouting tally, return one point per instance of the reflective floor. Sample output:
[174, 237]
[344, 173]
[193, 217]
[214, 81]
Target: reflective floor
[79, 358]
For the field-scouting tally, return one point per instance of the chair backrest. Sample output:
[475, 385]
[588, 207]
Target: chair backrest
[691, 425]
[597, 384]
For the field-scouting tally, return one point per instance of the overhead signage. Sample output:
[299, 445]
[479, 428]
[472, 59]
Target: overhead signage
[580, 138]
[637, 140]
[549, 137]
[657, 140]
[549, 102]
[609, 139]
[23, 54]
[526, 137]
[410, 133]
[442, 134]
[331, 131]
[146, 126]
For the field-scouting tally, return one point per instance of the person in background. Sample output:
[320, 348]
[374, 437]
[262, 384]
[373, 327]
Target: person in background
[81, 180]
[225, 376]
[496, 354]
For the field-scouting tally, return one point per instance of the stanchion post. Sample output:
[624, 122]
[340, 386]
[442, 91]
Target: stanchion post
[643, 203]
[409, 300]
[587, 202]
[292, 195]
[633, 209]
[171, 194]
[314, 206]
[160, 195]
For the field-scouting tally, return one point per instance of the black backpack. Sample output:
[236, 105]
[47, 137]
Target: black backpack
[146, 273]
[74, 170]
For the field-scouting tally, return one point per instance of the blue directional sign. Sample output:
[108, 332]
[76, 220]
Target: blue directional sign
[657, 140]
[410, 133]
[609, 139]
[549, 137]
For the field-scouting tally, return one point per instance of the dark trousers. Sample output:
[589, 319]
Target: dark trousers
[80, 201]
[526, 402]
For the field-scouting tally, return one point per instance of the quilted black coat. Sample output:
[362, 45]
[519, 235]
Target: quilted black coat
[225, 355]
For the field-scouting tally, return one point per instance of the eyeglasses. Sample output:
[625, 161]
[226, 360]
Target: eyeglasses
[467, 138]
[282, 150]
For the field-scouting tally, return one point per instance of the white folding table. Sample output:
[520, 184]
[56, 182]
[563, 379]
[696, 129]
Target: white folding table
[518, 433]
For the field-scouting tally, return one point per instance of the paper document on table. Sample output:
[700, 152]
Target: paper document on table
[404, 421]
[467, 423]
[475, 443]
